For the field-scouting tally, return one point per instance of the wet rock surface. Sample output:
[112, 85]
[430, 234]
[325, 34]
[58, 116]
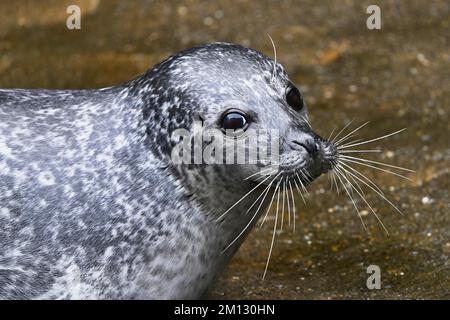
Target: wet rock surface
[396, 77]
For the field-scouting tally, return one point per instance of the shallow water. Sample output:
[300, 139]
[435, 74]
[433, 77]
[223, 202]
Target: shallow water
[395, 77]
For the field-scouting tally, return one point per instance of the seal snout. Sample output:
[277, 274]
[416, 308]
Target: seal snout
[308, 152]
[307, 142]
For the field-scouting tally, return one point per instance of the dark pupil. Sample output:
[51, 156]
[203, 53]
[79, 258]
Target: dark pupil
[234, 121]
[294, 98]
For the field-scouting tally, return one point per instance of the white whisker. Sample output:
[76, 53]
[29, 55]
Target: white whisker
[363, 176]
[356, 183]
[266, 191]
[377, 162]
[274, 59]
[245, 196]
[374, 190]
[373, 167]
[348, 135]
[278, 200]
[273, 236]
[329, 137]
[270, 204]
[362, 197]
[335, 182]
[301, 183]
[282, 206]
[293, 205]
[360, 151]
[345, 127]
[371, 140]
[298, 189]
[267, 187]
[261, 173]
[338, 174]
[330, 179]
[289, 206]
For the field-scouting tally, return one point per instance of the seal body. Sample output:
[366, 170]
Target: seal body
[85, 204]
[91, 206]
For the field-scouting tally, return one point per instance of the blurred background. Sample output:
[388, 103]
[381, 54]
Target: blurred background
[395, 77]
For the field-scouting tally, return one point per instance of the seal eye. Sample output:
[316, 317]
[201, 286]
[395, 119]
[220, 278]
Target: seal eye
[235, 121]
[294, 98]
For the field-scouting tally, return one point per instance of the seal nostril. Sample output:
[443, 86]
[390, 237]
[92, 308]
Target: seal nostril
[309, 144]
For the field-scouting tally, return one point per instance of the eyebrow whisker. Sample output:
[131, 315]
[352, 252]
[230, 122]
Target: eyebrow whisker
[274, 59]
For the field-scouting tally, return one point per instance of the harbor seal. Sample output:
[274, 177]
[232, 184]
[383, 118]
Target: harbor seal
[91, 205]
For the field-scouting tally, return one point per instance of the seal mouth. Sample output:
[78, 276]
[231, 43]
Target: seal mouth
[301, 166]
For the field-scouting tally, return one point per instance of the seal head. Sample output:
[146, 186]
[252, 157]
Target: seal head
[93, 203]
[231, 90]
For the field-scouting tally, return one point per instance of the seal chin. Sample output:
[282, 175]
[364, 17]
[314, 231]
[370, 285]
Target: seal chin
[312, 165]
